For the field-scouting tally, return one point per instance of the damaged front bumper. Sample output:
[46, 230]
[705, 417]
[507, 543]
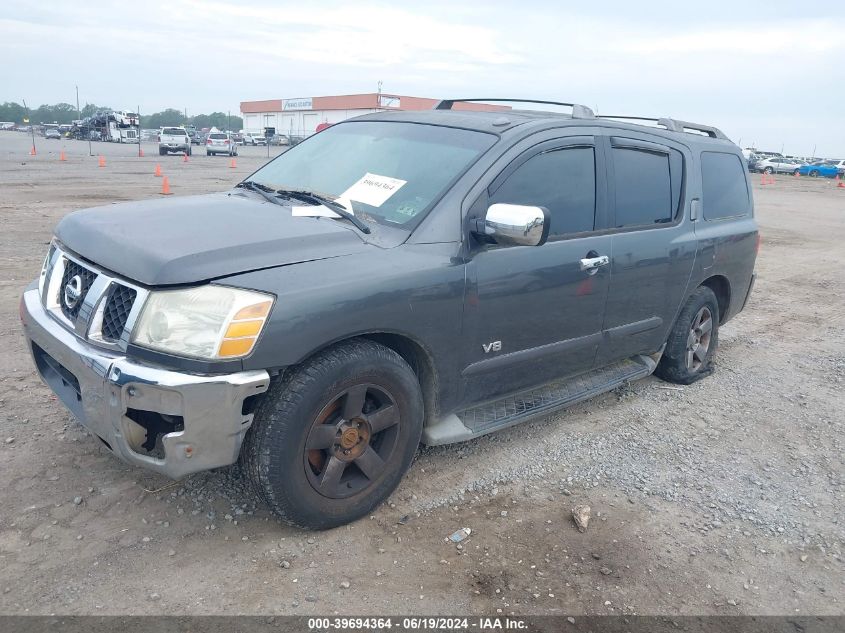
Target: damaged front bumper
[169, 422]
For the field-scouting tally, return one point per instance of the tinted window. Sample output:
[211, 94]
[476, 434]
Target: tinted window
[563, 181]
[724, 192]
[173, 130]
[643, 187]
[217, 136]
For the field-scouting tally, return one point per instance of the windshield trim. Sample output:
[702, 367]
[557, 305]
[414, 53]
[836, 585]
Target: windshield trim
[411, 225]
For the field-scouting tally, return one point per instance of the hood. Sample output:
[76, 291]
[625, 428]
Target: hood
[196, 238]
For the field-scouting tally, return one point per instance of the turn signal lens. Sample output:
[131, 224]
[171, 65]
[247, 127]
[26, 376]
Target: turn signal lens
[236, 347]
[243, 330]
[255, 311]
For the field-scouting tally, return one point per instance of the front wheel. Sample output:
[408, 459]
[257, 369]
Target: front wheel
[768, 170]
[331, 440]
[693, 341]
[814, 173]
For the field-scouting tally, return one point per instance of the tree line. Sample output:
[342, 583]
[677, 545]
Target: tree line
[66, 113]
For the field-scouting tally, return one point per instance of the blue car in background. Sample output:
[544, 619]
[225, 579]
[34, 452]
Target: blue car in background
[814, 170]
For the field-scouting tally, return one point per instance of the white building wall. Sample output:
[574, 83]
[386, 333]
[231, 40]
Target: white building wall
[297, 122]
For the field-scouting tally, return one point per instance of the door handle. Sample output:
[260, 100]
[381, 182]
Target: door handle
[592, 263]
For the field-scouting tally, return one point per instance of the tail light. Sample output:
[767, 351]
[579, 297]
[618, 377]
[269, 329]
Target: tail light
[226, 142]
[208, 141]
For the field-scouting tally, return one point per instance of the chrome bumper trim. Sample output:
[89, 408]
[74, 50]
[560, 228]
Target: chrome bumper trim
[110, 383]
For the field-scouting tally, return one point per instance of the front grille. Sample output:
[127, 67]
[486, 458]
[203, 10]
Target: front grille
[118, 306]
[72, 269]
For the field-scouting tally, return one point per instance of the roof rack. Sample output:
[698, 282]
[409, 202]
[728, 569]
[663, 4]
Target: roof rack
[673, 125]
[578, 111]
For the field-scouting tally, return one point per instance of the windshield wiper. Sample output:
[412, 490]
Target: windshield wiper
[263, 190]
[315, 198]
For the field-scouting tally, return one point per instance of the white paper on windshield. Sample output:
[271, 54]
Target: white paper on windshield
[313, 211]
[373, 189]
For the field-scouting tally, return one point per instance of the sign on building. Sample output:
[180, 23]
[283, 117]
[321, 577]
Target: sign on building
[297, 104]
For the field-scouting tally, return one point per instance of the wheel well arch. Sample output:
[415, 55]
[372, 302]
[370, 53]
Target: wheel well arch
[721, 287]
[412, 352]
[420, 361]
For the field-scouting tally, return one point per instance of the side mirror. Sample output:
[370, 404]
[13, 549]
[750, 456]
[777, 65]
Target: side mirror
[515, 224]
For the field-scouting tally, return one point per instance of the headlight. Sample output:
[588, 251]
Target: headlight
[211, 322]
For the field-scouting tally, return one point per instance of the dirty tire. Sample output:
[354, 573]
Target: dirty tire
[274, 454]
[674, 365]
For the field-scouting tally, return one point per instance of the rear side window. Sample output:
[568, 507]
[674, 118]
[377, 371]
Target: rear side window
[643, 187]
[563, 181]
[724, 190]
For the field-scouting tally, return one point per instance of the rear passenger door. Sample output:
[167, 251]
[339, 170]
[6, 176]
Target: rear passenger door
[653, 246]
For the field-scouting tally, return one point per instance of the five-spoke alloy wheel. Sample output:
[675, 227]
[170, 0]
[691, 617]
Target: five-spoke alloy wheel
[333, 436]
[693, 340]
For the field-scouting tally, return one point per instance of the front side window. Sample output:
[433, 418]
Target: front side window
[724, 190]
[643, 186]
[563, 181]
[392, 172]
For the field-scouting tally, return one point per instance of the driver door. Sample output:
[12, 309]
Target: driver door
[533, 313]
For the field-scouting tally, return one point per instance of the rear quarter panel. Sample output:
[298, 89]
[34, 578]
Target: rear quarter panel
[727, 247]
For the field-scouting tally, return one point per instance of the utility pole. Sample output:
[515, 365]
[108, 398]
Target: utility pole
[138, 110]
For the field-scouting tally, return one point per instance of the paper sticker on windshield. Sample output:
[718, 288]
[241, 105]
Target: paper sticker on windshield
[373, 189]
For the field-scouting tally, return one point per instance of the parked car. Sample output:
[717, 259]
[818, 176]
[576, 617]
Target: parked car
[52, 132]
[174, 139]
[323, 347]
[840, 166]
[254, 139]
[280, 139]
[819, 169]
[777, 165]
[220, 143]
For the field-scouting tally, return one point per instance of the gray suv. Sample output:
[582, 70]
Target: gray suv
[399, 278]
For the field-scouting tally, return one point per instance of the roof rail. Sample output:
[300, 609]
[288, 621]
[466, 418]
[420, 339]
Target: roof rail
[673, 125]
[578, 111]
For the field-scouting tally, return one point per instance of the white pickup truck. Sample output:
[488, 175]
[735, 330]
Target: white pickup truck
[174, 139]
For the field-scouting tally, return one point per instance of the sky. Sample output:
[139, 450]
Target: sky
[768, 74]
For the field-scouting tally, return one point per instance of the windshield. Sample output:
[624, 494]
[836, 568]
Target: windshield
[392, 172]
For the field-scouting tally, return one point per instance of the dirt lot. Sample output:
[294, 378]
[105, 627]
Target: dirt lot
[724, 497]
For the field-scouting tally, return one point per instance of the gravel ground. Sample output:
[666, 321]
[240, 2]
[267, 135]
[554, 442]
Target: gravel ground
[723, 497]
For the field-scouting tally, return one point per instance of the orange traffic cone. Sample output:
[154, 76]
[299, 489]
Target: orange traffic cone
[62, 156]
[184, 158]
[232, 165]
[140, 153]
[796, 173]
[102, 161]
[157, 171]
[32, 151]
[840, 184]
[165, 187]
[763, 180]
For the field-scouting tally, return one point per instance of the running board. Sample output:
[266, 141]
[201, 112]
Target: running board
[535, 403]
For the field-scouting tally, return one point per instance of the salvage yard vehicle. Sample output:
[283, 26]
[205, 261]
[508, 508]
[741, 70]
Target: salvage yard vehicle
[220, 143]
[174, 139]
[818, 169]
[399, 278]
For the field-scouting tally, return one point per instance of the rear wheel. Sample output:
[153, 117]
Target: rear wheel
[693, 341]
[332, 440]
[207, 153]
[162, 152]
[768, 170]
[814, 173]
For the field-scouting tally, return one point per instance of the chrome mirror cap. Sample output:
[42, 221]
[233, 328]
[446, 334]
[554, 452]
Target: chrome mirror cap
[517, 224]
